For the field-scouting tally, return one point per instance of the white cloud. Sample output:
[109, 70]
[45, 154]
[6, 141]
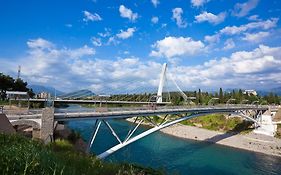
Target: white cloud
[254, 18]
[155, 2]
[177, 16]
[96, 41]
[126, 34]
[52, 66]
[198, 3]
[212, 39]
[243, 9]
[229, 44]
[91, 17]
[79, 53]
[270, 23]
[154, 19]
[255, 37]
[112, 40]
[39, 43]
[127, 13]
[211, 18]
[106, 33]
[171, 47]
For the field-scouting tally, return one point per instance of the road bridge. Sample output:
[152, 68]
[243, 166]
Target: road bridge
[170, 115]
[93, 101]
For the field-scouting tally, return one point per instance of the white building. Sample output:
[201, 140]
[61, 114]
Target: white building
[250, 92]
[43, 95]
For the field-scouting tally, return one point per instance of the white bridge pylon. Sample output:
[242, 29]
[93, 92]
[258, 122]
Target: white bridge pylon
[161, 83]
[163, 78]
[166, 121]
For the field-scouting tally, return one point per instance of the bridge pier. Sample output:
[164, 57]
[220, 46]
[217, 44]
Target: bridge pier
[47, 126]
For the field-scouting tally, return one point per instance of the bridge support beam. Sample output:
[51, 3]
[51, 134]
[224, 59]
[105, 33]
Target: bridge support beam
[47, 127]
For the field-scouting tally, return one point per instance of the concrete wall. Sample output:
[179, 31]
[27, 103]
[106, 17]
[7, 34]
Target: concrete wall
[5, 125]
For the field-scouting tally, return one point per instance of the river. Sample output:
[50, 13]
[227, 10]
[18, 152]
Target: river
[178, 156]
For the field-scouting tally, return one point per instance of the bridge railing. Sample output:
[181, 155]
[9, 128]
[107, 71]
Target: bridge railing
[147, 107]
[144, 108]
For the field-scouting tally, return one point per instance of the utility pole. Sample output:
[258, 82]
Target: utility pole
[19, 69]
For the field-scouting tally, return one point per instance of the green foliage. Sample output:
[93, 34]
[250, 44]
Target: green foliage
[218, 122]
[19, 155]
[74, 136]
[7, 83]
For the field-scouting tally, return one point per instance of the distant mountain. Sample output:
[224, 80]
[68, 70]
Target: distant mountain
[266, 92]
[276, 90]
[39, 88]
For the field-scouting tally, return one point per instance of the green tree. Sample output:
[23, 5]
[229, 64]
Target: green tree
[8, 83]
[221, 99]
[199, 96]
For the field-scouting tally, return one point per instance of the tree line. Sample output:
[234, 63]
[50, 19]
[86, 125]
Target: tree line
[204, 98]
[8, 83]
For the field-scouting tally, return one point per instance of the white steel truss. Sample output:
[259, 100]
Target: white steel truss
[165, 122]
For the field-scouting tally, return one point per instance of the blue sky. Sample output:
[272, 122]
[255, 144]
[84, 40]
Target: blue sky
[119, 46]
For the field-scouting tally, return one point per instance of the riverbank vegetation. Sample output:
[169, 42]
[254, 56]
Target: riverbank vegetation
[220, 122]
[20, 155]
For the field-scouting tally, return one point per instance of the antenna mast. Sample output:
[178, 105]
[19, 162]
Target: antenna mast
[19, 69]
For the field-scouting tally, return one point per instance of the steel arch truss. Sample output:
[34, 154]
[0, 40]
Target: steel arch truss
[166, 121]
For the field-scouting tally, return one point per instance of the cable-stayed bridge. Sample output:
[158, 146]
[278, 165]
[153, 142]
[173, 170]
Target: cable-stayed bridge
[47, 118]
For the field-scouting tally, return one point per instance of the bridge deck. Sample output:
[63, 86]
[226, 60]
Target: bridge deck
[126, 113]
[94, 101]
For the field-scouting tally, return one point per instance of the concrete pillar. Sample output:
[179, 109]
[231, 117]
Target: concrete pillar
[36, 133]
[47, 127]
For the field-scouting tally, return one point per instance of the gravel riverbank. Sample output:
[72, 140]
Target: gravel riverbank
[251, 141]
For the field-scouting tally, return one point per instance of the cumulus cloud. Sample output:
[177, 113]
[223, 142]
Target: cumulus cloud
[232, 30]
[172, 46]
[198, 3]
[126, 34]
[154, 19]
[96, 41]
[229, 44]
[54, 66]
[244, 69]
[91, 17]
[211, 18]
[212, 38]
[254, 18]
[155, 2]
[39, 43]
[177, 16]
[243, 9]
[255, 37]
[127, 13]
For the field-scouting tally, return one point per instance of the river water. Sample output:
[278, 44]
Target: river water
[178, 156]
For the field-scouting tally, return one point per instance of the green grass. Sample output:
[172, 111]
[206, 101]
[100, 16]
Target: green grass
[218, 122]
[4, 102]
[20, 155]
